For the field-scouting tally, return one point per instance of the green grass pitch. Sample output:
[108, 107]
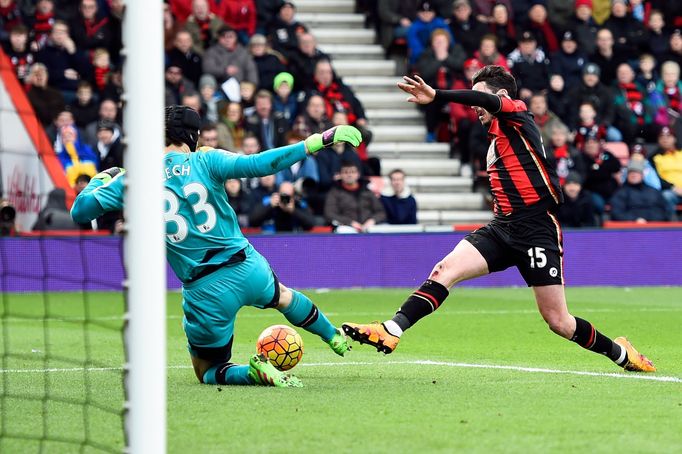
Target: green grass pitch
[441, 391]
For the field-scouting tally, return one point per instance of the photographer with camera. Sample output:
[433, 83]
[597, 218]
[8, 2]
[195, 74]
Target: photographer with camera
[8, 217]
[288, 212]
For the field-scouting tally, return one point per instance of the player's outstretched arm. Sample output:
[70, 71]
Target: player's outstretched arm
[103, 193]
[422, 93]
[229, 165]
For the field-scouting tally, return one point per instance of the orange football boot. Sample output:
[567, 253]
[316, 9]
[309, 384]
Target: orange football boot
[636, 361]
[373, 334]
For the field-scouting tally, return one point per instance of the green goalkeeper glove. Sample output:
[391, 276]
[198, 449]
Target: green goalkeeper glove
[342, 133]
[107, 175]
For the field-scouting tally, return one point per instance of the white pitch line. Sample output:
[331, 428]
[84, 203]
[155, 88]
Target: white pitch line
[265, 314]
[537, 370]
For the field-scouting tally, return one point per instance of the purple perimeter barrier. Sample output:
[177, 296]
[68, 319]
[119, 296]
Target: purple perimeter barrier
[594, 257]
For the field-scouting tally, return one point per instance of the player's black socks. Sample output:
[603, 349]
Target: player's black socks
[589, 338]
[420, 303]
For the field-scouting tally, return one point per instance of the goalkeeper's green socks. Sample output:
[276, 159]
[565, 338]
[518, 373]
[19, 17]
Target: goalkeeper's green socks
[304, 314]
[228, 374]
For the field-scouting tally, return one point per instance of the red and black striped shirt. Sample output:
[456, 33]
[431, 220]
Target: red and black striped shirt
[521, 178]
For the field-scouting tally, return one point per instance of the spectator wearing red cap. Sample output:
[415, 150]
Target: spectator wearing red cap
[464, 26]
[584, 26]
[438, 66]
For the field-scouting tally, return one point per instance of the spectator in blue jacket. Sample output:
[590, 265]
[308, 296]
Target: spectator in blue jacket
[401, 207]
[419, 33]
[636, 201]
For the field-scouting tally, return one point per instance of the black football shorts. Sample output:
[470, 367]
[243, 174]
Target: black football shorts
[533, 244]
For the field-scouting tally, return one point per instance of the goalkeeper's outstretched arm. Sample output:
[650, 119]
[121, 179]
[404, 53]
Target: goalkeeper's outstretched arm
[229, 165]
[103, 193]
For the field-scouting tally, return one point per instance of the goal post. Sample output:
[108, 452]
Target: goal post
[145, 332]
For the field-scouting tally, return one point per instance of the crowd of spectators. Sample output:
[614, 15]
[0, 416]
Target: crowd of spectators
[252, 71]
[594, 73]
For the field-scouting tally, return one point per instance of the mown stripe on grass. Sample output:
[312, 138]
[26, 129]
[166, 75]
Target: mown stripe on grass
[537, 370]
[452, 312]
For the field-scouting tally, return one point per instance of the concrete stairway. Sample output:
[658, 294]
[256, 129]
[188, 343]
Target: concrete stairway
[443, 197]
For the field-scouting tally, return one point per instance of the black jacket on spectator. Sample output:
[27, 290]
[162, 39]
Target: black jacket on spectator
[55, 215]
[242, 205]
[84, 114]
[429, 67]
[114, 154]
[303, 67]
[284, 37]
[273, 133]
[638, 201]
[577, 213]
[329, 163]
[558, 102]
[468, 34]
[585, 33]
[608, 66]
[47, 103]
[600, 96]
[301, 218]
[599, 174]
[400, 210]
[266, 11]
[89, 38]
[568, 66]
[629, 34]
[658, 44]
[59, 60]
[531, 72]
[390, 12]
[268, 66]
[190, 63]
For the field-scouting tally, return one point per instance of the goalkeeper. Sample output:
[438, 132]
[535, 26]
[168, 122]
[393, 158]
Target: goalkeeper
[220, 270]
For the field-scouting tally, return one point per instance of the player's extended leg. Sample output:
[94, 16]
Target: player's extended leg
[301, 312]
[463, 263]
[551, 301]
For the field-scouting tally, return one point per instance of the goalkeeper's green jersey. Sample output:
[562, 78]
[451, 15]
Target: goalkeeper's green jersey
[201, 227]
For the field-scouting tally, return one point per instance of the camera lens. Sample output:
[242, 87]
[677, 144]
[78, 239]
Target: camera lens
[7, 213]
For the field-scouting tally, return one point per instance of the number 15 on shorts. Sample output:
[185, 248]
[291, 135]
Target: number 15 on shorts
[538, 259]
